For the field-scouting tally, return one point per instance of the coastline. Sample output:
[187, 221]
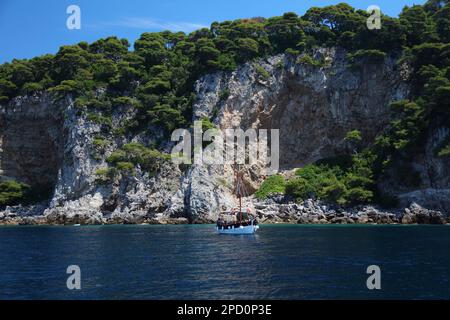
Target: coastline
[267, 212]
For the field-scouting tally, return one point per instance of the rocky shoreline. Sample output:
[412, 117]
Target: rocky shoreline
[311, 212]
[268, 212]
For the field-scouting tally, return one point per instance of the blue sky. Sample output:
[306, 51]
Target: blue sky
[29, 28]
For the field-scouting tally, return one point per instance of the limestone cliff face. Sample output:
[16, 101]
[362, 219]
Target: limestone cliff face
[313, 106]
[31, 140]
[48, 142]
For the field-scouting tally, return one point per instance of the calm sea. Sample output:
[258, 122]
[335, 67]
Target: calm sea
[192, 262]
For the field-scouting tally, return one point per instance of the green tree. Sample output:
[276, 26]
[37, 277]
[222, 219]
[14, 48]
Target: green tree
[110, 48]
[285, 32]
[442, 19]
[7, 90]
[151, 47]
[12, 192]
[247, 48]
[104, 70]
[419, 27]
[68, 61]
[21, 73]
[272, 185]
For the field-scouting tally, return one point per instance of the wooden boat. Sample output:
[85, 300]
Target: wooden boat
[237, 221]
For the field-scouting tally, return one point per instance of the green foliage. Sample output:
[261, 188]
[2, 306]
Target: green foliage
[261, 72]
[353, 136]
[285, 32]
[31, 87]
[207, 124]
[105, 175]
[12, 192]
[353, 139]
[344, 184]
[7, 89]
[317, 181]
[248, 48]
[442, 20]
[445, 151]
[21, 73]
[125, 166]
[418, 25]
[272, 185]
[407, 125]
[224, 94]
[443, 148]
[361, 56]
[412, 119]
[308, 60]
[167, 117]
[105, 70]
[300, 188]
[102, 172]
[66, 86]
[292, 52]
[100, 142]
[117, 156]
[126, 101]
[100, 119]
[133, 154]
[156, 86]
[99, 147]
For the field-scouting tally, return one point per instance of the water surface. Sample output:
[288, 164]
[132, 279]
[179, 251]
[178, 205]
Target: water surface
[192, 262]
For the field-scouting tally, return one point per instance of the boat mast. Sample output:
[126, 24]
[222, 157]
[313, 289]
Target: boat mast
[240, 208]
[239, 191]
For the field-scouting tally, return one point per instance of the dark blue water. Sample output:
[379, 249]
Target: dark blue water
[192, 262]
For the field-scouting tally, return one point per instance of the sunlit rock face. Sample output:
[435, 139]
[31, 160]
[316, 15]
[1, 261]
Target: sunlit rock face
[312, 106]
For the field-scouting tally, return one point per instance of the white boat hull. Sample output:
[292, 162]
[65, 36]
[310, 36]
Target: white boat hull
[238, 230]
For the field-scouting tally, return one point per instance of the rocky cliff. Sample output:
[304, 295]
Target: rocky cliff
[314, 105]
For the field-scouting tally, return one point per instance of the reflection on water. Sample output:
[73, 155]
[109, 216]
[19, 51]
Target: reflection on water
[192, 262]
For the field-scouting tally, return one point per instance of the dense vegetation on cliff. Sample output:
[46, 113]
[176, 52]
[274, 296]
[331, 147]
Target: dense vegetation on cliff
[157, 77]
